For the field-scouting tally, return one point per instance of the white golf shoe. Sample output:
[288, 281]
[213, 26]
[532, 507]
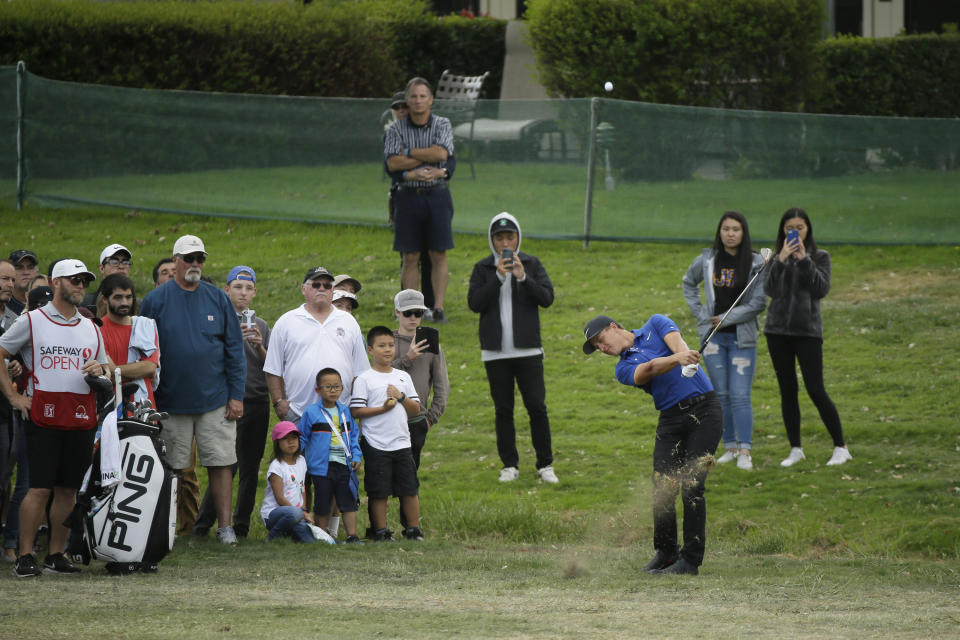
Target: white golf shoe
[509, 474]
[840, 455]
[547, 475]
[745, 462]
[727, 456]
[795, 456]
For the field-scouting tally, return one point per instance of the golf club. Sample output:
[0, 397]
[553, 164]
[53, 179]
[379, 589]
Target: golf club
[688, 370]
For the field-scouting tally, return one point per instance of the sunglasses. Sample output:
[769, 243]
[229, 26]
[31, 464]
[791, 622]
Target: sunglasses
[330, 387]
[418, 313]
[194, 258]
[321, 284]
[116, 262]
[78, 281]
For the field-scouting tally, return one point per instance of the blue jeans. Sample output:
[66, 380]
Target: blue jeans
[288, 522]
[12, 529]
[731, 372]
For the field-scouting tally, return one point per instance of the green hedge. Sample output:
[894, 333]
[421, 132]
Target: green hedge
[755, 54]
[351, 49]
[916, 76]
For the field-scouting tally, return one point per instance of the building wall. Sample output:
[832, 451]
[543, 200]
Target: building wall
[883, 18]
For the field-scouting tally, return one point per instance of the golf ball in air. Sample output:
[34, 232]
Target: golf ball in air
[608, 86]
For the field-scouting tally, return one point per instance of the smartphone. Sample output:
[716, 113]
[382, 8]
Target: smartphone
[248, 317]
[507, 254]
[431, 335]
[793, 236]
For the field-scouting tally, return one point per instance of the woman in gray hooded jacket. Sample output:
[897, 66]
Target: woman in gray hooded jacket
[731, 357]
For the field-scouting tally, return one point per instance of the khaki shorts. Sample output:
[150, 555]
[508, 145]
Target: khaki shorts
[216, 438]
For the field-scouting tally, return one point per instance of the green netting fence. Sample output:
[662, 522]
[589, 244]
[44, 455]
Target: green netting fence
[579, 169]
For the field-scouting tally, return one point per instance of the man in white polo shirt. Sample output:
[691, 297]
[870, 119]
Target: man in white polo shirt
[311, 337]
[61, 347]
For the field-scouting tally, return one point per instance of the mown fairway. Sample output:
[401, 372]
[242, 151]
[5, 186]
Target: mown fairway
[869, 549]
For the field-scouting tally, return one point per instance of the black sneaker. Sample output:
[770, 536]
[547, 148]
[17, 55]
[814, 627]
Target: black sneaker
[659, 562]
[121, 568]
[353, 540]
[680, 567]
[413, 533]
[149, 567]
[383, 535]
[58, 563]
[439, 317]
[26, 566]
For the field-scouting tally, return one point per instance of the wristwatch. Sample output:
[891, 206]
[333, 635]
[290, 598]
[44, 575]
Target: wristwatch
[403, 397]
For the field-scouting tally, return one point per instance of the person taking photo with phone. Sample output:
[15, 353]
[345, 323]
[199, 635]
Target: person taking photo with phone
[796, 281]
[418, 352]
[507, 289]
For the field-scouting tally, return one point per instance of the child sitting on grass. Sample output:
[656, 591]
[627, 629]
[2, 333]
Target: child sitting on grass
[283, 509]
[384, 398]
[330, 441]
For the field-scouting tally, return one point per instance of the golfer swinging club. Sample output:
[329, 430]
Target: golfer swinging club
[689, 428]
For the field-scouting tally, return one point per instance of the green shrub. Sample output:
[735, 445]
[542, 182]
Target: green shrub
[754, 54]
[350, 49]
[914, 76]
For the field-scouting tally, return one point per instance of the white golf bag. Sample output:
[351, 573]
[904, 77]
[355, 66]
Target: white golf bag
[127, 514]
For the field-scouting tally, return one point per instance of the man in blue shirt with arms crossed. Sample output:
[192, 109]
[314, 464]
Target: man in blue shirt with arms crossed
[688, 430]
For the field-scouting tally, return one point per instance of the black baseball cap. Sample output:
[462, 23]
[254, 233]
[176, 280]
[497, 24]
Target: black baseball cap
[503, 224]
[593, 329]
[16, 257]
[316, 272]
[38, 297]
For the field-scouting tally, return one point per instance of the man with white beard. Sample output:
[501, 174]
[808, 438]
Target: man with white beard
[204, 378]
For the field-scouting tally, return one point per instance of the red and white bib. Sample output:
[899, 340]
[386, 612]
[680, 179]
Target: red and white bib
[61, 397]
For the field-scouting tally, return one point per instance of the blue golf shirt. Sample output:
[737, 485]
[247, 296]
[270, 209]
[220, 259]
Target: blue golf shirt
[648, 343]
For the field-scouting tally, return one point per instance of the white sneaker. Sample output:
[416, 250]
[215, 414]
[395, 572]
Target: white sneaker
[796, 455]
[226, 535]
[509, 474]
[744, 461]
[840, 455]
[547, 475]
[728, 456]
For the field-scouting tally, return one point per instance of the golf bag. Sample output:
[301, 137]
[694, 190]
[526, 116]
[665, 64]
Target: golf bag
[133, 520]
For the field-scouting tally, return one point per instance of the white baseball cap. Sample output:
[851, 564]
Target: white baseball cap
[112, 250]
[188, 244]
[343, 293]
[70, 267]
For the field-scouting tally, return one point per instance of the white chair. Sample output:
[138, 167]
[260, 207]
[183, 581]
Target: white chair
[456, 98]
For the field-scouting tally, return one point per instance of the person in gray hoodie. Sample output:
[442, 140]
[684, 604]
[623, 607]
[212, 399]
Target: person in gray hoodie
[507, 289]
[731, 357]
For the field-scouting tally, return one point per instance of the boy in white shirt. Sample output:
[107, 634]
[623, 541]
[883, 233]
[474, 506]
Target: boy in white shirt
[384, 399]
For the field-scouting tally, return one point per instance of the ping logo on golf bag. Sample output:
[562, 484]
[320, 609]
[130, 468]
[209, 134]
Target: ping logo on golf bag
[135, 485]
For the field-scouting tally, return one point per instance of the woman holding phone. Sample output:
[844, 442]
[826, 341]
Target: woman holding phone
[796, 281]
[731, 357]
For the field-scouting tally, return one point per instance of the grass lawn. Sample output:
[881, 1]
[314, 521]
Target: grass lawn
[888, 207]
[869, 549]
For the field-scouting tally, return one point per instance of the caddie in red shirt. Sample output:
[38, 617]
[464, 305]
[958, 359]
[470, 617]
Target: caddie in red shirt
[60, 347]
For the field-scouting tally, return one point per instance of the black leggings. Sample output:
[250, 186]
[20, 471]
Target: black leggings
[784, 352]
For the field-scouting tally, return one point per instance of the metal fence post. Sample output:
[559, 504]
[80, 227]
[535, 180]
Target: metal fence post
[21, 71]
[591, 151]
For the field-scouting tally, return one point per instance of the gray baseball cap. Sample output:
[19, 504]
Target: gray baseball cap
[409, 299]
